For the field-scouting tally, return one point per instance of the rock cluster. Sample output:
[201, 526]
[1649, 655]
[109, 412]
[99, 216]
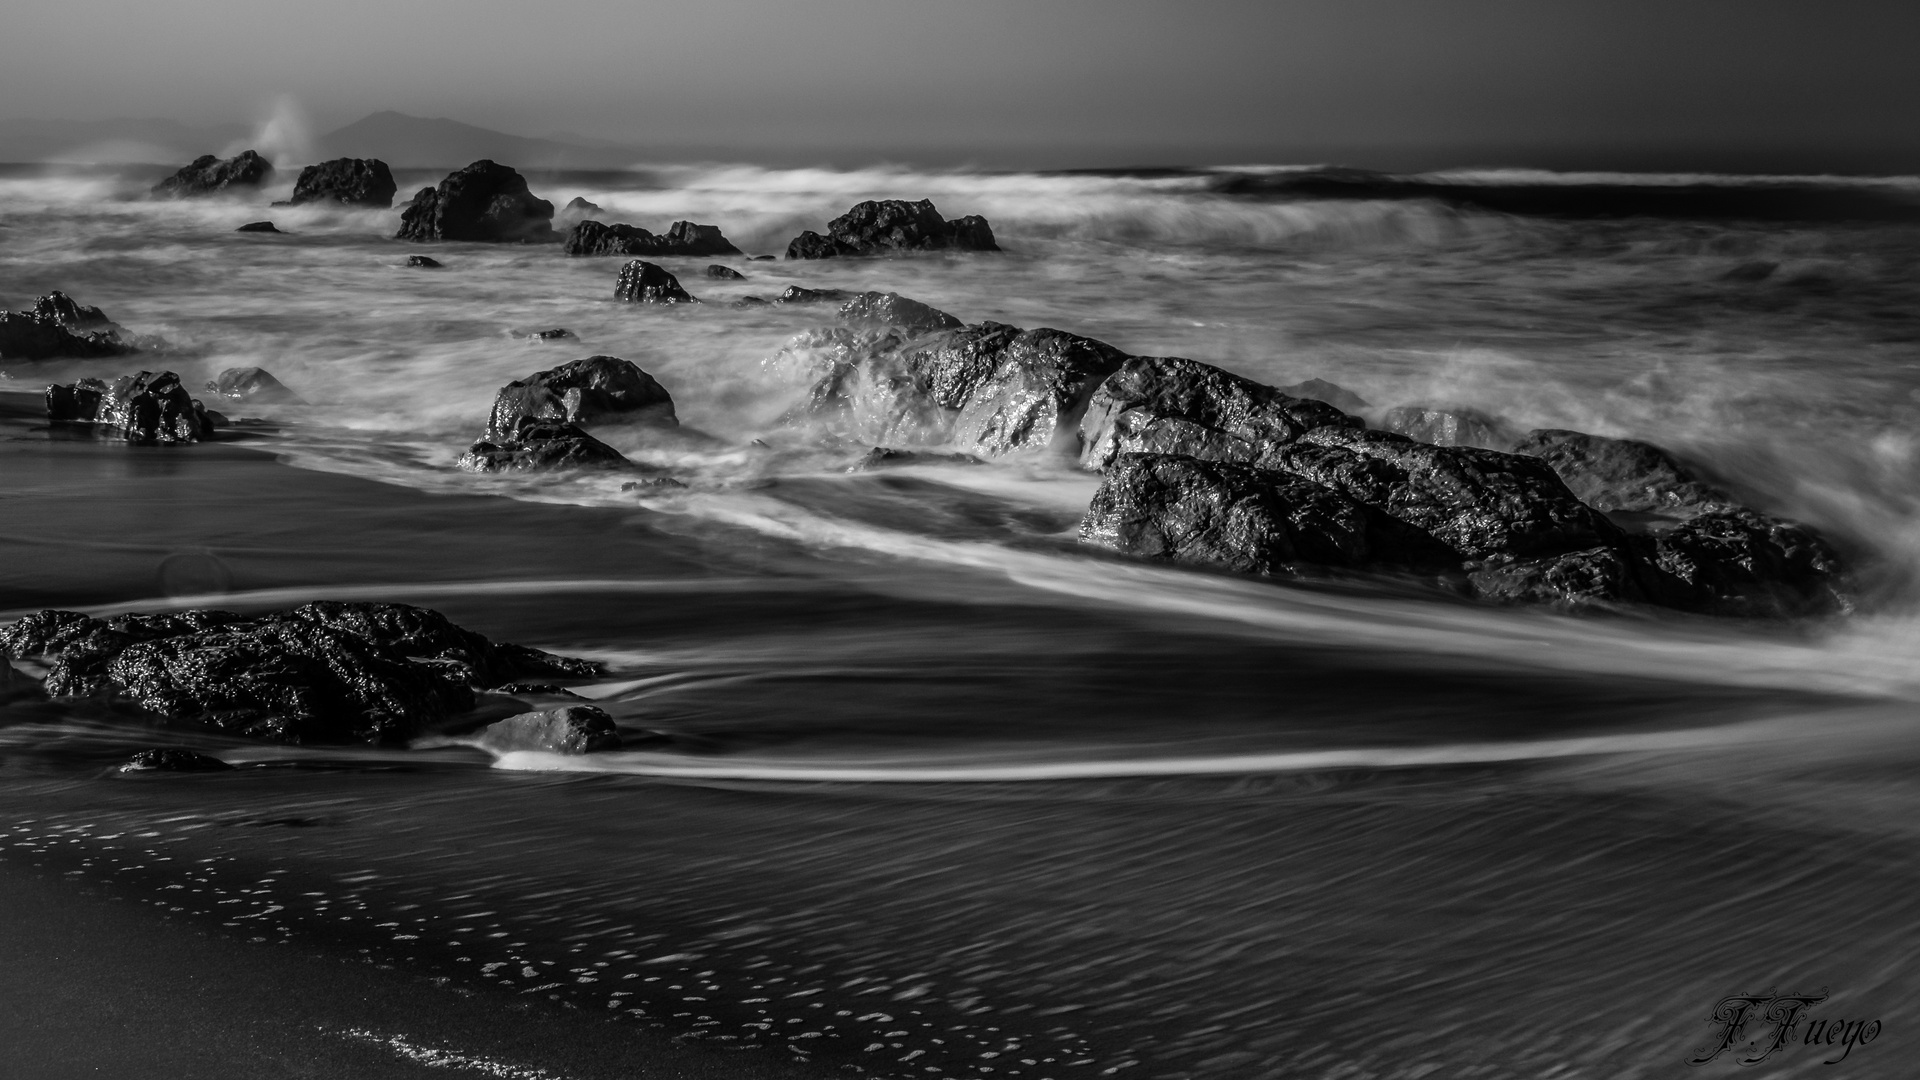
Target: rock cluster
[323, 672]
[209, 175]
[58, 327]
[149, 408]
[483, 202]
[891, 226]
[684, 238]
[347, 181]
[537, 422]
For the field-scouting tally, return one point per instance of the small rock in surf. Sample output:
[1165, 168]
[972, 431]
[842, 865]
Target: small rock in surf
[258, 227]
[571, 729]
[148, 408]
[647, 283]
[174, 759]
[252, 384]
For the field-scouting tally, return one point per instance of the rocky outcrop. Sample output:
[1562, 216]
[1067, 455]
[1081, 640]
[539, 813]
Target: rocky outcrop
[148, 408]
[252, 384]
[684, 238]
[571, 729]
[58, 327]
[483, 202]
[540, 446]
[209, 175]
[347, 181]
[646, 283]
[598, 389]
[324, 672]
[1171, 405]
[1450, 427]
[892, 226]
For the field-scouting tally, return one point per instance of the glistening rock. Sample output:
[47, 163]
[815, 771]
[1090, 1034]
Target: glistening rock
[148, 407]
[57, 326]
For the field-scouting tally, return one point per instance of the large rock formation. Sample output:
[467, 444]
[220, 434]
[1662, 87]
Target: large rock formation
[148, 408]
[891, 226]
[208, 175]
[59, 327]
[684, 238]
[596, 389]
[483, 202]
[347, 181]
[324, 672]
[646, 283]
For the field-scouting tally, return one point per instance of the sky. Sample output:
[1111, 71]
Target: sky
[1782, 85]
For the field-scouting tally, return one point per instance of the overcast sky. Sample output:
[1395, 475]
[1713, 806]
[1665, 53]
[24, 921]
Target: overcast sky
[1395, 83]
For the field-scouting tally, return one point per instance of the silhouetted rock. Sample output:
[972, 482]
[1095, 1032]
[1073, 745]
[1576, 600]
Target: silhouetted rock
[324, 672]
[423, 262]
[173, 759]
[541, 446]
[1332, 393]
[571, 729]
[1450, 427]
[684, 238]
[578, 207]
[348, 181]
[725, 273]
[148, 408]
[482, 202]
[594, 390]
[251, 384]
[872, 309]
[1171, 405]
[209, 175]
[886, 457]
[645, 283]
[258, 226]
[59, 327]
[1621, 474]
[890, 226]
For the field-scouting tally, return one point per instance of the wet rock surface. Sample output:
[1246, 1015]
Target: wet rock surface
[149, 408]
[881, 309]
[541, 446]
[347, 181]
[1620, 474]
[592, 390]
[58, 326]
[571, 729]
[210, 175]
[323, 672]
[648, 283]
[1450, 427]
[724, 273]
[1167, 404]
[251, 384]
[484, 202]
[892, 226]
[173, 759]
[684, 238]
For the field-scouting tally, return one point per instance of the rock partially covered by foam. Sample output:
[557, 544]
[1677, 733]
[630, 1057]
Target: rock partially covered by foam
[597, 389]
[483, 202]
[1621, 474]
[149, 408]
[540, 446]
[323, 672]
[891, 226]
[684, 238]
[252, 384]
[647, 283]
[173, 759]
[57, 326]
[347, 181]
[571, 729]
[1332, 393]
[209, 175]
[1450, 426]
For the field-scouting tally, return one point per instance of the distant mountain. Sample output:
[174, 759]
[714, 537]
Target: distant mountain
[409, 142]
[113, 141]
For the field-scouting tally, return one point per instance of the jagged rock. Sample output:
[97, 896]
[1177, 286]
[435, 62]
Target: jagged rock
[252, 384]
[794, 294]
[541, 446]
[579, 207]
[572, 729]
[173, 759]
[646, 283]
[1248, 520]
[1449, 427]
[348, 181]
[59, 327]
[684, 238]
[1737, 561]
[1621, 474]
[258, 226]
[482, 202]
[1332, 393]
[209, 175]
[593, 390]
[324, 672]
[725, 273]
[893, 225]
[423, 262]
[875, 309]
[1168, 404]
[886, 457]
[148, 408]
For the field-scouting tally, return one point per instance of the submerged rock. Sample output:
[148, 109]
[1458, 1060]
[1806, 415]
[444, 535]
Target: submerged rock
[684, 238]
[252, 384]
[645, 283]
[795, 294]
[174, 759]
[571, 729]
[886, 457]
[423, 262]
[725, 273]
[148, 408]
[483, 202]
[890, 226]
[258, 227]
[323, 672]
[593, 390]
[556, 333]
[209, 175]
[541, 446]
[347, 181]
[57, 326]
[1450, 427]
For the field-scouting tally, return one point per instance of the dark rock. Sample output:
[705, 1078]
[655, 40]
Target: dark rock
[537, 446]
[348, 181]
[646, 283]
[174, 759]
[579, 207]
[872, 309]
[1621, 474]
[554, 334]
[423, 262]
[794, 294]
[656, 482]
[147, 408]
[725, 273]
[1595, 576]
[535, 689]
[1244, 519]
[59, 327]
[593, 390]
[258, 226]
[750, 301]
[684, 238]
[209, 175]
[482, 202]
[893, 225]
[324, 672]
[1332, 393]
[1167, 404]
[252, 384]
[1737, 561]
[572, 729]
[886, 457]
[1449, 427]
